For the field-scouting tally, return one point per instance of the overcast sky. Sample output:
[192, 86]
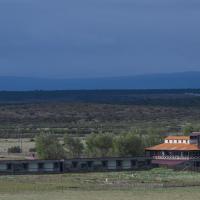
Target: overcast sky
[92, 38]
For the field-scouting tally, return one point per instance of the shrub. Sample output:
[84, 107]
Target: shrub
[99, 144]
[14, 149]
[128, 145]
[32, 149]
[48, 147]
[74, 146]
[32, 140]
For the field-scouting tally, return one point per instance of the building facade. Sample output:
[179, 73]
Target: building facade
[74, 165]
[176, 149]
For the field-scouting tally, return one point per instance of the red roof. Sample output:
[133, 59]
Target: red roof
[177, 138]
[175, 147]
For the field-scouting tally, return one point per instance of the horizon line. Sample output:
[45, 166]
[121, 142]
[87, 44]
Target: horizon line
[99, 77]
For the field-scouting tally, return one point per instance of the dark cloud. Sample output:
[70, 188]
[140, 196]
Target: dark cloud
[77, 38]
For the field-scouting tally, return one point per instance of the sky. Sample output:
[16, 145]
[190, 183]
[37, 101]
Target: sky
[98, 38]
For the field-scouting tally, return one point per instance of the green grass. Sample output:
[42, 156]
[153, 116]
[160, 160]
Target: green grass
[157, 178]
[157, 183]
[175, 194]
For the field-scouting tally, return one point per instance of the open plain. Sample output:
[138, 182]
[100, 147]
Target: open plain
[162, 184]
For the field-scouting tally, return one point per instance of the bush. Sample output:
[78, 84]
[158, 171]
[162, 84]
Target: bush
[74, 146]
[128, 145]
[15, 149]
[48, 147]
[32, 140]
[32, 149]
[99, 144]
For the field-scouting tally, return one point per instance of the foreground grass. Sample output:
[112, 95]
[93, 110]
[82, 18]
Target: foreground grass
[157, 183]
[161, 194]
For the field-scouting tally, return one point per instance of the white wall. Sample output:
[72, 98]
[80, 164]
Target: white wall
[3, 167]
[126, 164]
[112, 164]
[48, 167]
[33, 167]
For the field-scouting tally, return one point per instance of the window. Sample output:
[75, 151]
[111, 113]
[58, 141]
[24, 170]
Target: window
[119, 163]
[89, 164]
[105, 163]
[55, 165]
[9, 166]
[133, 163]
[74, 164]
[40, 166]
[83, 166]
[25, 166]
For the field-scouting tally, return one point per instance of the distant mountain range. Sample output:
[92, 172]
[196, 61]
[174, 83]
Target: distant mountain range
[153, 81]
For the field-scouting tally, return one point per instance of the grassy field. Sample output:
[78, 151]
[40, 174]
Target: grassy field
[157, 183]
[161, 194]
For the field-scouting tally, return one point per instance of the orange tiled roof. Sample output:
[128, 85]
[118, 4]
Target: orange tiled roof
[175, 147]
[177, 138]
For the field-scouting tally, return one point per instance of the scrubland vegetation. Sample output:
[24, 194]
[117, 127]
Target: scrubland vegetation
[80, 113]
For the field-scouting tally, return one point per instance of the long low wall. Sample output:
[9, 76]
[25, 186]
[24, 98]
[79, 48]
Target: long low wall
[73, 165]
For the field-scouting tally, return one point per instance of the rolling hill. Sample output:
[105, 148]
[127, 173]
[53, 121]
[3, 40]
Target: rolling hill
[153, 81]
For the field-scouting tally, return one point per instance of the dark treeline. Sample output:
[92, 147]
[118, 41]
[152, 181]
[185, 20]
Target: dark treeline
[179, 97]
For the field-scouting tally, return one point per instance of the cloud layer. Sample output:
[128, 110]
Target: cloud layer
[91, 38]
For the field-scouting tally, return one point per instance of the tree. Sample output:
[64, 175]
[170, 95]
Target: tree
[48, 147]
[152, 137]
[187, 129]
[128, 145]
[99, 144]
[91, 144]
[74, 146]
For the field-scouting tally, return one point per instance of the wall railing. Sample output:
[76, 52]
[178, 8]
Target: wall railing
[175, 157]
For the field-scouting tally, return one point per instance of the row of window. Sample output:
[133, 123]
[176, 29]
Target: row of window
[74, 164]
[177, 141]
[25, 166]
[104, 163]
